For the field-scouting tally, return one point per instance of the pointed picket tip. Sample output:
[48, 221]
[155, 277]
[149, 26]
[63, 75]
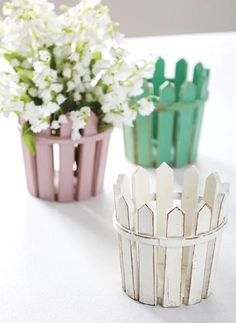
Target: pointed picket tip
[204, 218]
[182, 61]
[140, 171]
[160, 60]
[164, 168]
[191, 171]
[125, 211]
[91, 127]
[213, 180]
[176, 209]
[146, 219]
[124, 183]
[175, 222]
[188, 92]
[147, 209]
[140, 187]
[167, 92]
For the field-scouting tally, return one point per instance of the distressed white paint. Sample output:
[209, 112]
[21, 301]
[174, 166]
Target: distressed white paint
[189, 203]
[211, 197]
[164, 201]
[140, 187]
[199, 256]
[222, 200]
[173, 260]
[125, 211]
[153, 274]
[146, 256]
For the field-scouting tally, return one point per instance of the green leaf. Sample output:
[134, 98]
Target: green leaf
[29, 137]
[104, 126]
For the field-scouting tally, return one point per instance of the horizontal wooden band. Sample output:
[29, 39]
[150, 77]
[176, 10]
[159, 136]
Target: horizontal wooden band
[48, 140]
[179, 106]
[175, 242]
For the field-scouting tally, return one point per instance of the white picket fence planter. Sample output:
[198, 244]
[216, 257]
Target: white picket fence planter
[169, 242]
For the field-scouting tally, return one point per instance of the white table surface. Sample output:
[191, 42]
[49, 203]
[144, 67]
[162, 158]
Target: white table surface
[59, 262]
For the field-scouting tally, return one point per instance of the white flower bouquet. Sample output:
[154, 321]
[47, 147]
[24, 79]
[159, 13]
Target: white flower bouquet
[65, 66]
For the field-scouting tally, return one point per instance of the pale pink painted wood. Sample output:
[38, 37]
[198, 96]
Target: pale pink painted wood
[30, 170]
[86, 161]
[44, 159]
[100, 163]
[92, 160]
[66, 173]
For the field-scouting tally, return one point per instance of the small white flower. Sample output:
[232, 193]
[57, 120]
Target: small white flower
[145, 107]
[44, 55]
[33, 92]
[56, 87]
[55, 125]
[60, 99]
[67, 72]
[62, 119]
[70, 86]
[15, 62]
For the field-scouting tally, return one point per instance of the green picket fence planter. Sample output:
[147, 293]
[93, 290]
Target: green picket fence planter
[171, 133]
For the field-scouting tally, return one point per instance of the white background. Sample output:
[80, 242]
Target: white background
[59, 262]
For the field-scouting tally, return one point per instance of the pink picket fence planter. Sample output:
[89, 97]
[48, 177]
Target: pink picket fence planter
[81, 164]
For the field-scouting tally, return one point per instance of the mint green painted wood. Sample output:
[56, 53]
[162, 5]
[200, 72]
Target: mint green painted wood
[165, 125]
[185, 125]
[181, 69]
[200, 79]
[158, 80]
[180, 75]
[171, 133]
[143, 125]
[197, 129]
[129, 139]
[144, 142]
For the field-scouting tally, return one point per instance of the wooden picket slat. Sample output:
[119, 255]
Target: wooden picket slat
[30, 169]
[66, 173]
[197, 122]
[165, 125]
[130, 144]
[159, 75]
[124, 184]
[180, 76]
[200, 79]
[45, 169]
[157, 81]
[173, 260]
[147, 257]
[125, 214]
[140, 187]
[122, 187]
[199, 256]
[197, 76]
[184, 125]
[189, 203]
[143, 124]
[212, 189]
[87, 160]
[222, 200]
[164, 201]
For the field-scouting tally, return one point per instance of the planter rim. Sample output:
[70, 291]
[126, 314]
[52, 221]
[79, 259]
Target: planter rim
[49, 139]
